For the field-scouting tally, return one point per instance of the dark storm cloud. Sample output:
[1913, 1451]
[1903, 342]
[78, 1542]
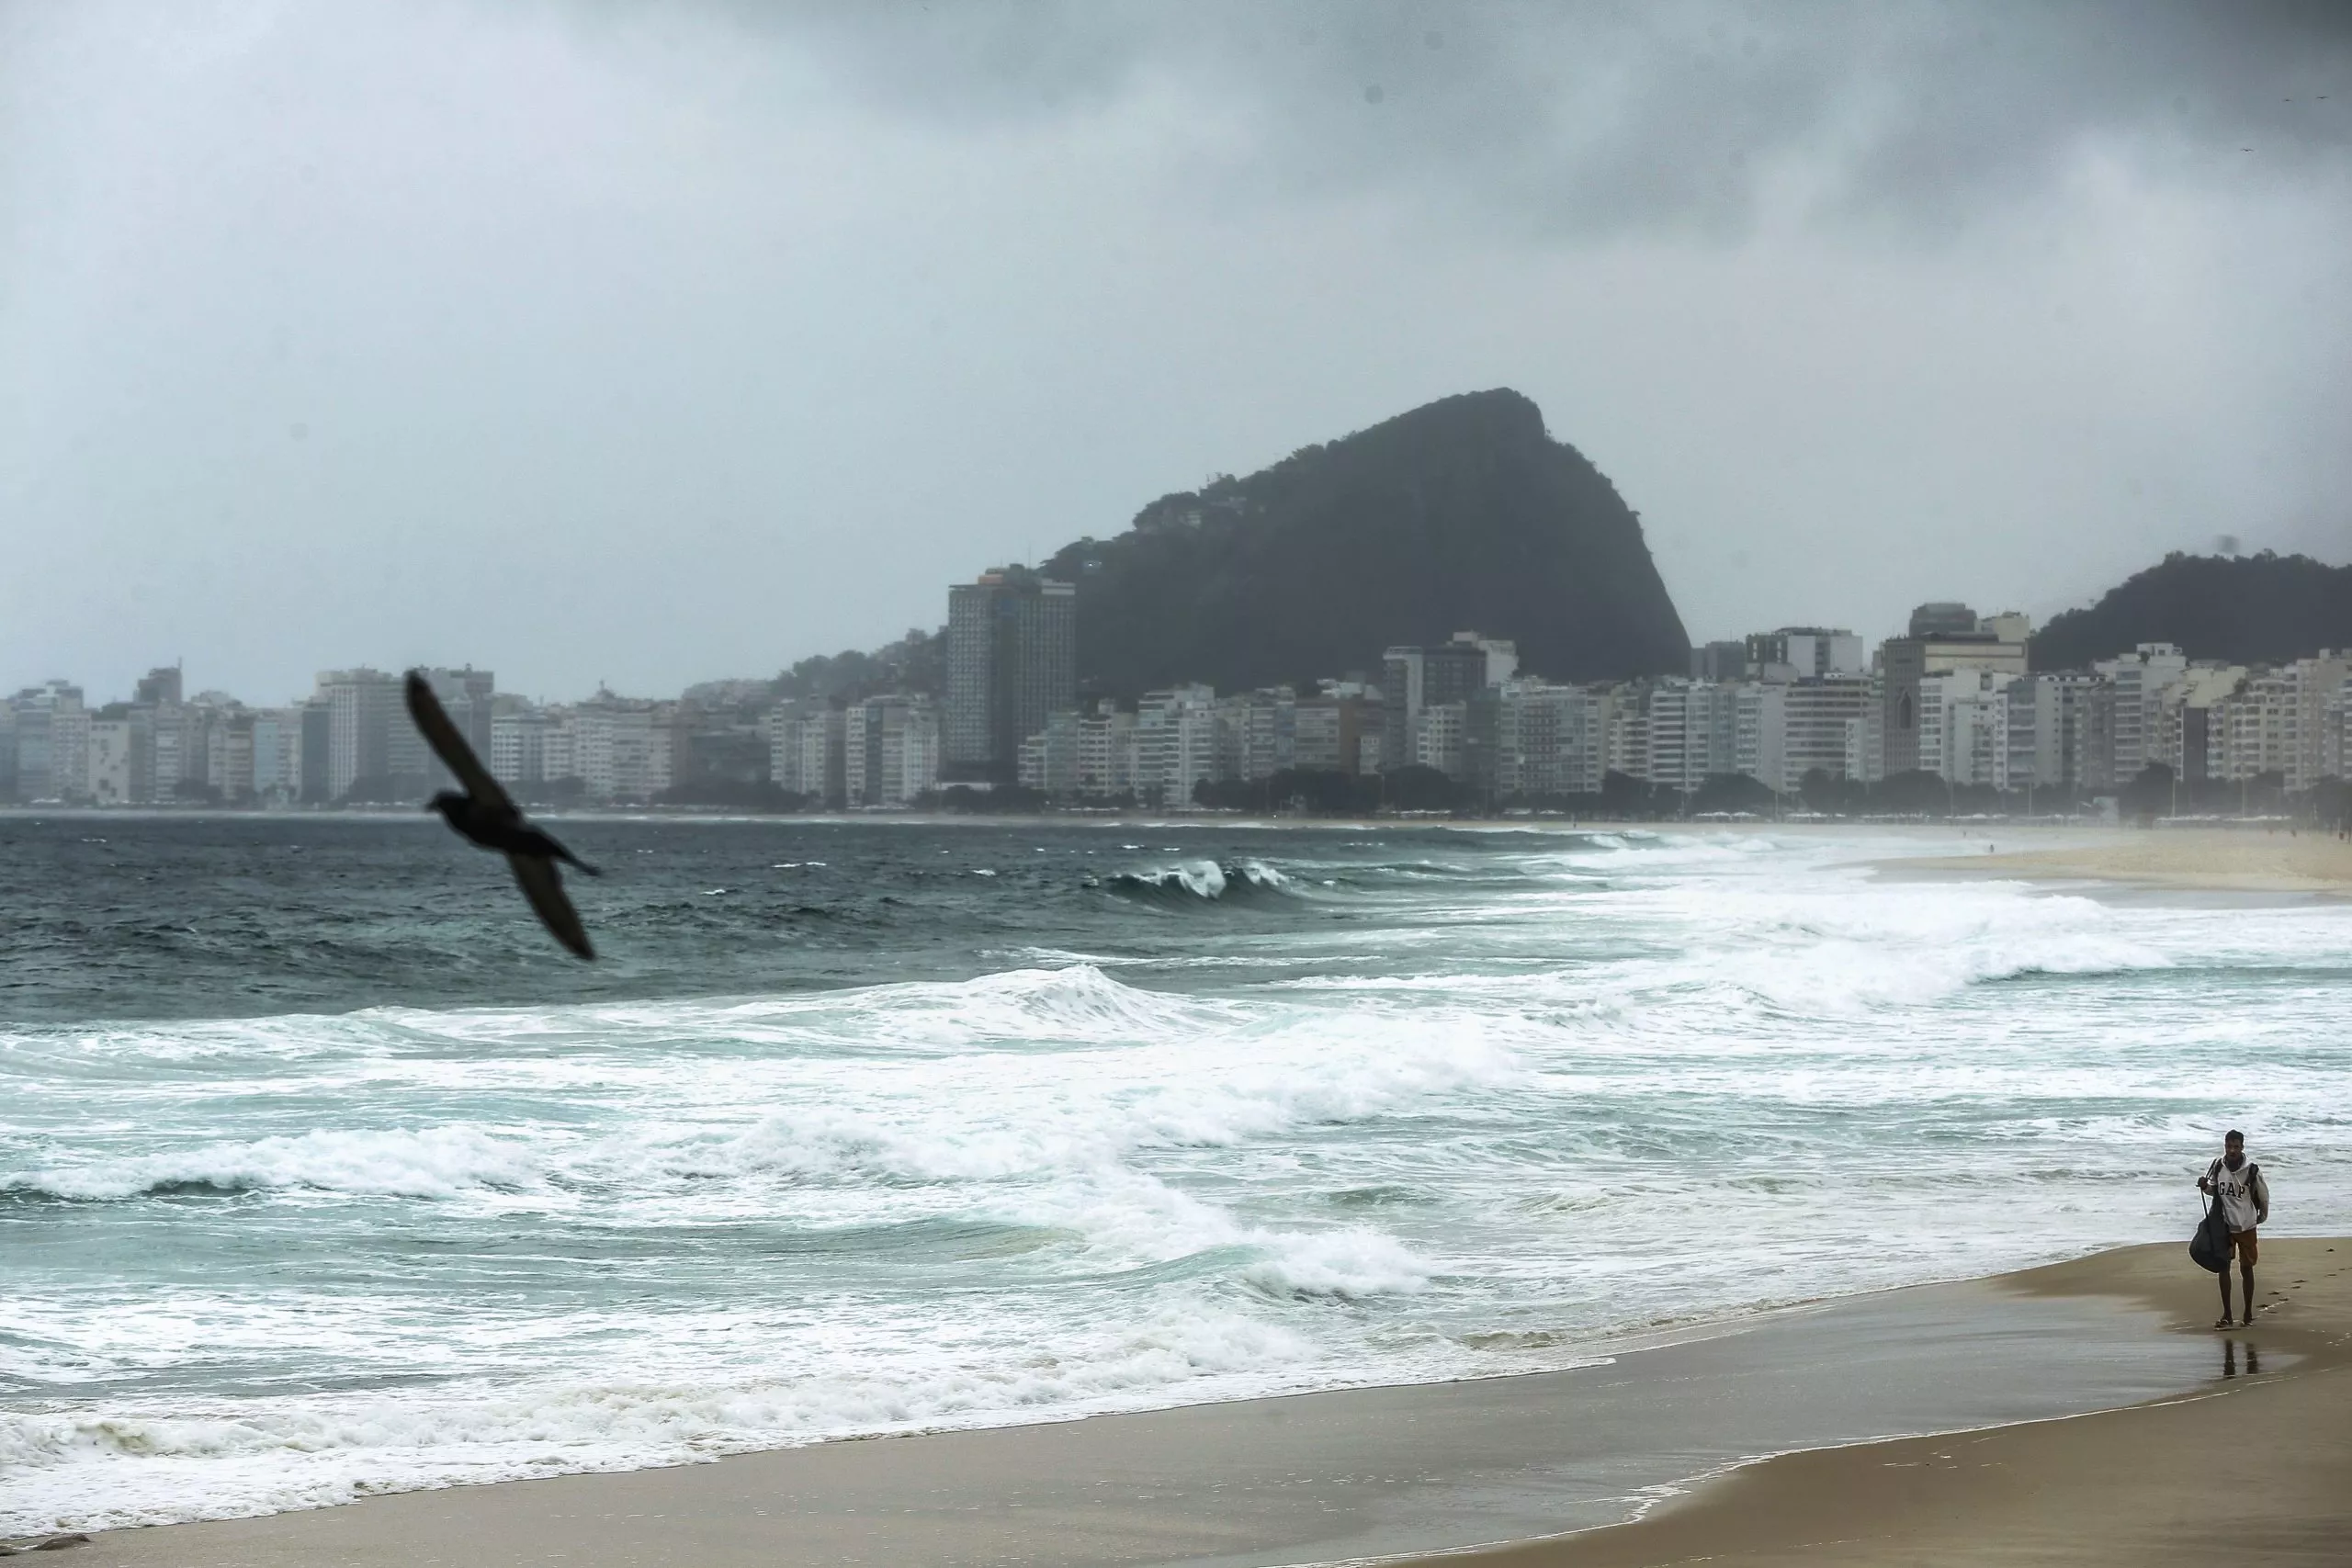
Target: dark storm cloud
[1596, 119]
[738, 329]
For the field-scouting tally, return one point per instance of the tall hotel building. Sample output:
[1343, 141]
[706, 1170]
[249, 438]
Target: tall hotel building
[1012, 660]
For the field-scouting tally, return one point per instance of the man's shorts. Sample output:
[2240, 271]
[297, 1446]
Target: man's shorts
[2242, 1243]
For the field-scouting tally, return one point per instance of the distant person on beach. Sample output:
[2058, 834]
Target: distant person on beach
[2237, 1186]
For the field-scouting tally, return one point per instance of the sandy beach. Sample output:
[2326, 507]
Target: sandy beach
[2255, 1468]
[1386, 1473]
[2245, 860]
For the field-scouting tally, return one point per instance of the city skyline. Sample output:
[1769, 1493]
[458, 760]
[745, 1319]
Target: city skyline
[1793, 712]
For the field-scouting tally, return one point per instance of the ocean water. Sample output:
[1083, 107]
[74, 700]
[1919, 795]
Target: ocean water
[322, 1173]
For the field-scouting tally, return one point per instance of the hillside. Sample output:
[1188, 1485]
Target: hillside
[2259, 609]
[1462, 515]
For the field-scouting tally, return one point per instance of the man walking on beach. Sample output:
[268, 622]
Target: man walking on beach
[2243, 1198]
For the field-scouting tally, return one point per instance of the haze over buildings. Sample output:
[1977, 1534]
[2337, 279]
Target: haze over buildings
[1792, 718]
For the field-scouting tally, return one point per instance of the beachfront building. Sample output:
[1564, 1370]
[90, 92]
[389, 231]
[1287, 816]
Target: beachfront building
[1803, 653]
[1012, 660]
[518, 746]
[808, 751]
[277, 756]
[1549, 740]
[2042, 714]
[1963, 728]
[890, 750]
[1257, 733]
[1625, 729]
[1049, 758]
[106, 760]
[2184, 719]
[1106, 752]
[2317, 685]
[361, 705]
[50, 742]
[1693, 733]
[2335, 755]
[624, 749]
[1329, 731]
[1175, 743]
[2139, 679]
[1944, 638]
[1822, 723]
[1416, 680]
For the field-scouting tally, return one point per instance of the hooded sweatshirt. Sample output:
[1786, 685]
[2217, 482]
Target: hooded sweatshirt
[2244, 1195]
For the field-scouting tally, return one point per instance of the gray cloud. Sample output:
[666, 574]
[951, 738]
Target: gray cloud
[1594, 119]
[652, 342]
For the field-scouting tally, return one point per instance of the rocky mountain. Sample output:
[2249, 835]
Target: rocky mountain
[2258, 609]
[1463, 514]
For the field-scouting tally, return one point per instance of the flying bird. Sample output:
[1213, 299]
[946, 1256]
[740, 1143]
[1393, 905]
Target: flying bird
[485, 814]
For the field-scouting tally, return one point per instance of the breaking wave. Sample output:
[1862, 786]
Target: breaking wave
[1198, 881]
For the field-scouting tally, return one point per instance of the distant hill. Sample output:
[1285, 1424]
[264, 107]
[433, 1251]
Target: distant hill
[1463, 514]
[2258, 609]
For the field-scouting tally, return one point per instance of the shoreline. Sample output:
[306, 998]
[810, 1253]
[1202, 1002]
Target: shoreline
[1390, 1474]
[2188, 860]
[2255, 1466]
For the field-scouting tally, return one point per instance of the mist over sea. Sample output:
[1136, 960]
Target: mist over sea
[324, 1173]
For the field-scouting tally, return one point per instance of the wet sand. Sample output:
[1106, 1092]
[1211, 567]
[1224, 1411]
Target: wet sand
[1377, 1472]
[2244, 859]
[2256, 1467]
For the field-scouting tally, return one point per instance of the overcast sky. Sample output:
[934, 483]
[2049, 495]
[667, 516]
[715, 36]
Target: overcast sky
[648, 344]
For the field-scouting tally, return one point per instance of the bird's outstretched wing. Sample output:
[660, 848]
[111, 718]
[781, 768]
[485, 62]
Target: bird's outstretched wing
[432, 723]
[542, 883]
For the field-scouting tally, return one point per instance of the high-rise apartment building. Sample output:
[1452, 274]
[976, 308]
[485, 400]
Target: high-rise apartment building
[108, 757]
[1549, 740]
[808, 751]
[1012, 660]
[1944, 638]
[277, 755]
[2045, 714]
[1693, 733]
[1049, 758]
[1420, 679]
[626, 749]
[51, 742]
[890, 750]
[1106, 752]
[468, 697]
[1175, 744]
[1719, 661]
[1330, 730]
[2318, 683]
[2139, 679]
[1820, 719]
[159, 687]
[362, 707]
[1963, 728]
[1257, 733]
[518, 746]
[1797, 653]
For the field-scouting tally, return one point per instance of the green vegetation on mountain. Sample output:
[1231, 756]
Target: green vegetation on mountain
[2258, 609]
[1461, 516]
[916, 662]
